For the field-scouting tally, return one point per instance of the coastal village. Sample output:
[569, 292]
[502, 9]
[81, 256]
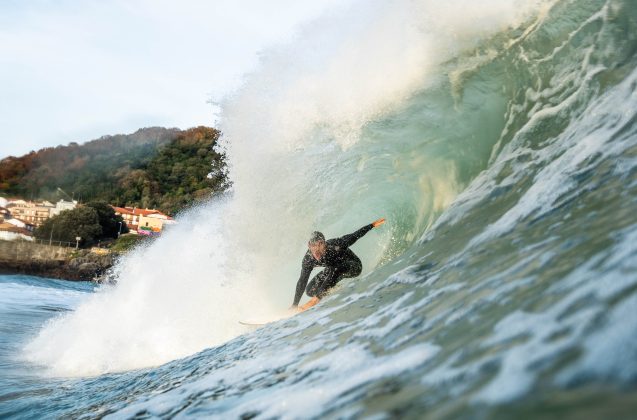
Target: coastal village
[24, 250]
[19, 218]
[123, 191]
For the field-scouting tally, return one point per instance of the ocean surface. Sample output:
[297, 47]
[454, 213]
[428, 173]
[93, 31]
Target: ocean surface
[498, 138]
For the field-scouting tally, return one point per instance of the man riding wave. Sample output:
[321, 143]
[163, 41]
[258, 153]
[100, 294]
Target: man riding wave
[339, 262]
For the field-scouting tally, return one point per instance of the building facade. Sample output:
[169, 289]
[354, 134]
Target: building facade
[36, 213]
[30, 211]
[144, 221]
[62, 205]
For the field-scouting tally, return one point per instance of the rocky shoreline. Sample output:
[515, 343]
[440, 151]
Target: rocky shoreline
[22, 257]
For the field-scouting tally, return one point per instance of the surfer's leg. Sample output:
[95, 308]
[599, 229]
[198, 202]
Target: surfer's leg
[331, 278]
[315, 284]
[351, 268]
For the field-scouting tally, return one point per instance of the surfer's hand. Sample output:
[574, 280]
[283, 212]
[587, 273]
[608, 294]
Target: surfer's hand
[378, 222]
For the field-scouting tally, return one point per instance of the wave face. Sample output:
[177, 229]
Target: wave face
[499, 140]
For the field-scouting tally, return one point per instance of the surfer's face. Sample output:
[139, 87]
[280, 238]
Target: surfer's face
[317, 249]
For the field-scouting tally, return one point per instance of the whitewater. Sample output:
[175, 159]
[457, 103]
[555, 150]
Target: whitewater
[498, 138]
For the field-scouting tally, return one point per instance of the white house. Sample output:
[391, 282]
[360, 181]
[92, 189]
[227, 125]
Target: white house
[20, 223]
[62, 205]
[17, 202]
[9, 232]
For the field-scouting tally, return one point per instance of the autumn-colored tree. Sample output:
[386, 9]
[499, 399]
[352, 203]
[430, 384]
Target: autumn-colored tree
[160, 168]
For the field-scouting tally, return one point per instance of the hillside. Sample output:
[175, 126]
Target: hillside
[153, 167]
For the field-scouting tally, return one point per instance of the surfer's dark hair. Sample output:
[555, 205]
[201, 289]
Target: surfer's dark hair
[316, 237]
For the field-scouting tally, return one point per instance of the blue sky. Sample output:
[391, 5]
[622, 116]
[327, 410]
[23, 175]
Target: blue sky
[77, 70]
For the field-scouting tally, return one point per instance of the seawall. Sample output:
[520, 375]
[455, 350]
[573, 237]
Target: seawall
[52, 261]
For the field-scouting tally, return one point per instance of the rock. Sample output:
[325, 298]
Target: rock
[88, 269]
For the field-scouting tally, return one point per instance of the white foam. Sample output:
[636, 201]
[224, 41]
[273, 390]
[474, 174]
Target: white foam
[393, 315]
[610, 353]
[563, 159]
[171, 301]
[605, 349]
[344, 372]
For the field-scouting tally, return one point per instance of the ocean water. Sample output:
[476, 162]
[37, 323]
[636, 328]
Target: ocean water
[498, 138]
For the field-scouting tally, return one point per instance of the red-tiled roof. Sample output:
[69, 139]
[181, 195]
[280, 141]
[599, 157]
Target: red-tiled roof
[121, 210]
[136, 212]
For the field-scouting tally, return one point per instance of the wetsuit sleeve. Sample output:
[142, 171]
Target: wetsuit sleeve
[306, 269]
[349, 240]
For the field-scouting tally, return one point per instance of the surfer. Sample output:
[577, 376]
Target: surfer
[339, 262]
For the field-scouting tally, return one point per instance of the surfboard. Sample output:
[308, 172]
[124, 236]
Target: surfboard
[253, 324]
[267, 319]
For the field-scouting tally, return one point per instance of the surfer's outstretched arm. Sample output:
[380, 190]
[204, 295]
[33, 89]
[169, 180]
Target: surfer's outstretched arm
[306, 269]
[349, 240]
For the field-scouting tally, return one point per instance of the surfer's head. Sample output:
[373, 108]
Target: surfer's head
[317, 245]
[316, 237]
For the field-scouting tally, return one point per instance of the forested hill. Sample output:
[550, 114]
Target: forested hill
[154, 167]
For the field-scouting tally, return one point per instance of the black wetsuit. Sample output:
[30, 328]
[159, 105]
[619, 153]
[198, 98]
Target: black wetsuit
[339, 262]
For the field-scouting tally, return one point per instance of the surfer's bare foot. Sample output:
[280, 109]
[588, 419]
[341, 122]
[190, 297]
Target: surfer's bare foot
[309, 304]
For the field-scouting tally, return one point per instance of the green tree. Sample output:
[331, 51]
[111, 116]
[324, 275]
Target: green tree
[81, 221]
[108, 220]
